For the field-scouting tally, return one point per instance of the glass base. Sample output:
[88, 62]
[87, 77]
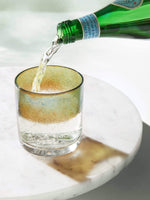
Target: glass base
[51, 152]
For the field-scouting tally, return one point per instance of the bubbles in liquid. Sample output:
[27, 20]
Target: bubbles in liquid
[42, 67]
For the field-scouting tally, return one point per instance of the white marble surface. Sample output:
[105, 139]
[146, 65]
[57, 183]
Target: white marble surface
[109, 117]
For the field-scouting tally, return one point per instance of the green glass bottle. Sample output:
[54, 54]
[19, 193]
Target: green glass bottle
[111, 21]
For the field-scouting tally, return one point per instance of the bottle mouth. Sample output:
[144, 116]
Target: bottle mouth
[64, 32]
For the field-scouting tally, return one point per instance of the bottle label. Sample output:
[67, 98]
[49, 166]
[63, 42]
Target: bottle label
[129, 4]
[90, 26]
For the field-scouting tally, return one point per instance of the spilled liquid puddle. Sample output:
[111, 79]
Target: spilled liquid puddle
[78, 164]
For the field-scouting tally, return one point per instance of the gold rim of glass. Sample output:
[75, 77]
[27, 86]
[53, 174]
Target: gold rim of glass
[42, 93]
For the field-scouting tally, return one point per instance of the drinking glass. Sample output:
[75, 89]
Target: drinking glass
[50, 121]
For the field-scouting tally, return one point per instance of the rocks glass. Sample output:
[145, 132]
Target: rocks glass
[50, 122]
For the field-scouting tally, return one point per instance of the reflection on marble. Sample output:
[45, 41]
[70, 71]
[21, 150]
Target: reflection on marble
[78, 164]
[110, 121]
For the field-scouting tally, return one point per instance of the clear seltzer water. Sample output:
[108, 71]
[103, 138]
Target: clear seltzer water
[56, 137]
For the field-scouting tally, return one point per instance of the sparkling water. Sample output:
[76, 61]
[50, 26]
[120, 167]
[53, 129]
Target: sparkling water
[51, 135]
[49, 138]
[42, 67]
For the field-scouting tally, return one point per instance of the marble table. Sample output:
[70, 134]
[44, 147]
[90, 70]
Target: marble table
[112, 130]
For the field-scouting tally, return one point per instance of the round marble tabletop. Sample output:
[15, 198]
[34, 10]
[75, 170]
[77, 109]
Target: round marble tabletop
[112, 130]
